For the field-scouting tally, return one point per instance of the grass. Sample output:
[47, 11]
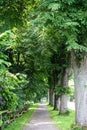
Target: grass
[20, 122]
[63, 122]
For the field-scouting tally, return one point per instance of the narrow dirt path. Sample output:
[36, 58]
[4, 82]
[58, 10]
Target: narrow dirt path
[40, 120]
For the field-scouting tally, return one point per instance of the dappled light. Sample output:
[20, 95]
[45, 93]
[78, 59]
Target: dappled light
[42, 123]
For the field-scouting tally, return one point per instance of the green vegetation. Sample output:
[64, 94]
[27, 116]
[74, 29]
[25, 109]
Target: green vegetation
[20, 122]
[19, 83]
[63, 121]
[75, 127]
[39, 40]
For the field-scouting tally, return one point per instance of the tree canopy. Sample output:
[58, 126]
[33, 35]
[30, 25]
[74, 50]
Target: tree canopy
[39, 40]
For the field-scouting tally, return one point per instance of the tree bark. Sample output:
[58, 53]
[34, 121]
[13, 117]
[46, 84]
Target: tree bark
[51, 94]
[63, 104]
[55, 79]
[80, 80]
[63, 98]
[56, 102]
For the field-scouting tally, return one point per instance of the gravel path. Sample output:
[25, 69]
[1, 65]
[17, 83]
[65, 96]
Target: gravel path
[40, 120]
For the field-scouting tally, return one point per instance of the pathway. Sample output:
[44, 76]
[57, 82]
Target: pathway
[41, 120]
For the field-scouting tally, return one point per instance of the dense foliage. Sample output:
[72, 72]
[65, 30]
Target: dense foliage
[38, 38]
[18, 80]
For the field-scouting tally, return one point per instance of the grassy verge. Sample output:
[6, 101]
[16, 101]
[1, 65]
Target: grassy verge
[63, 122]
[20, 122]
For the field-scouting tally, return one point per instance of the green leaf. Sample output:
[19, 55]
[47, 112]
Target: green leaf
[54, 6]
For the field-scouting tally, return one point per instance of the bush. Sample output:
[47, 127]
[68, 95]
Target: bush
[9, 100]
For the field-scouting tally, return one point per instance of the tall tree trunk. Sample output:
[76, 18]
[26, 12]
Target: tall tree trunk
[51, 94]
[55, 78]
[80, 80]
[56, 102]
[63, 98]
[63, 104]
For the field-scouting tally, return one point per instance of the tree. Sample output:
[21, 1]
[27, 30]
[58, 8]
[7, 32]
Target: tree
[67, 19]
[51, 40]
[13, 13]
[7, 80]
[54, 28]
[10, 83]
